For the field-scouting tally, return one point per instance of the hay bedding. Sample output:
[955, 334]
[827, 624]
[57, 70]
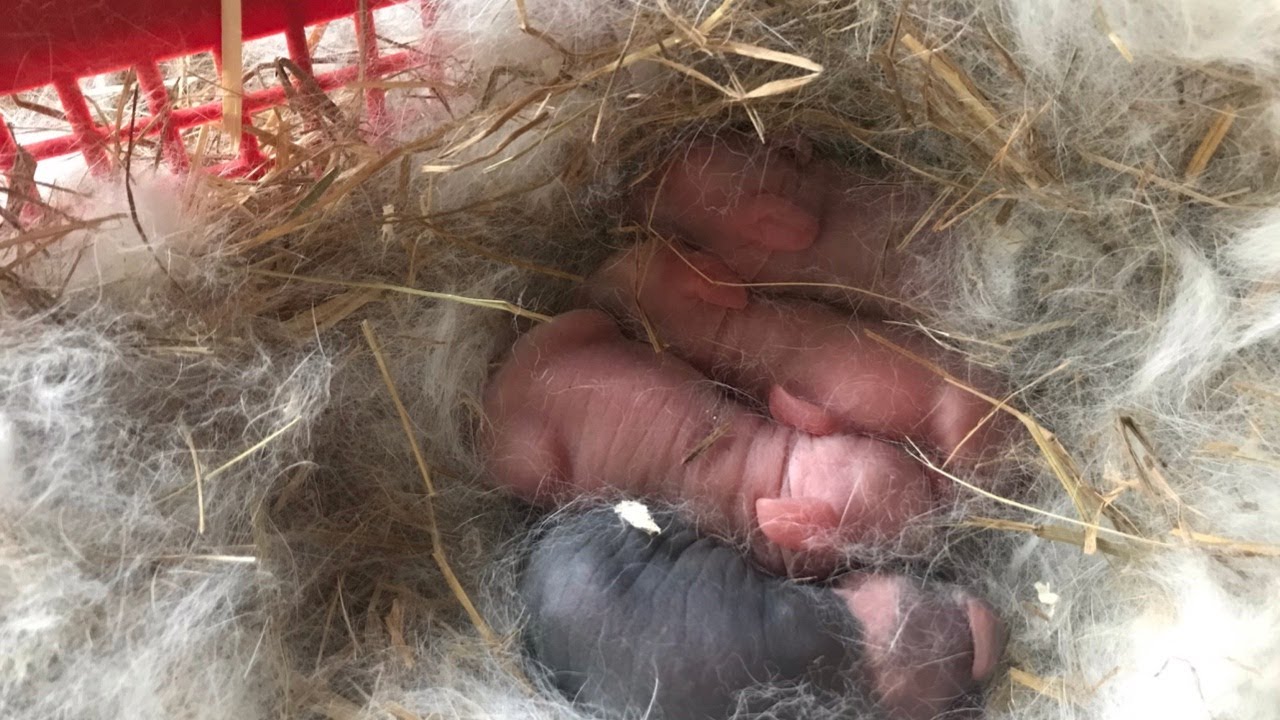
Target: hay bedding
[243, 487]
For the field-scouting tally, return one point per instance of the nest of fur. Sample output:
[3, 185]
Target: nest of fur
[236, 477]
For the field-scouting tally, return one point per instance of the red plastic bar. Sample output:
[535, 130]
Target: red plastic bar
[20, 189]
[296, 37]
[8, 146]
[44, 40]
[85, 131]
[152, 84]
[367, 41]
[251, 162]
[253, 102]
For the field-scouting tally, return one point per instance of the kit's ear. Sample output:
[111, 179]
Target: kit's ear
[704, 276]
[796, 524]
[575, 329]
[775, 223]
[800, 414]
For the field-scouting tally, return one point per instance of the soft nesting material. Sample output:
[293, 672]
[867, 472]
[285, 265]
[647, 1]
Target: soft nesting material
[1099, 261]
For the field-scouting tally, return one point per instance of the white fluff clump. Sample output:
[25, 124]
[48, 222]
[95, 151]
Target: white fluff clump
[485, 35]
[1254, 258]
[1194, 31]
[1191, 339]
[1247, 33]
[1203, 646]
[112, 252]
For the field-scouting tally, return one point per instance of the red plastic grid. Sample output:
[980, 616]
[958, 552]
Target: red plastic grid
[57, 42]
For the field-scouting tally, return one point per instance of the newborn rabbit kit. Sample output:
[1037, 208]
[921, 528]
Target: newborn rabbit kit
[948, 325]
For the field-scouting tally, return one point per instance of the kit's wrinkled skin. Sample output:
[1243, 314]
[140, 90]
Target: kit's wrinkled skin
[578, 409]
[680, 624]
[677, 624]
[817, 369]
[776, 214]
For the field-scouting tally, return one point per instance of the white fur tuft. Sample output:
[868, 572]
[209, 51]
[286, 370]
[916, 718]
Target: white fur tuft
[1193, 329]
[1203, 648]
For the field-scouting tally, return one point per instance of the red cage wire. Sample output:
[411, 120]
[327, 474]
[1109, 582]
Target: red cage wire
[58, 42]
